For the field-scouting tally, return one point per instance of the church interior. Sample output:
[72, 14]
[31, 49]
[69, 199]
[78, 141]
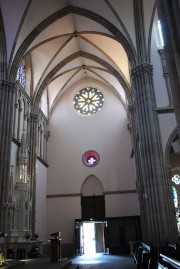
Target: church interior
[89, 124]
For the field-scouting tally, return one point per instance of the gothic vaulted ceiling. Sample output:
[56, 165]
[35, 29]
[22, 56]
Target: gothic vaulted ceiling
[66, 41]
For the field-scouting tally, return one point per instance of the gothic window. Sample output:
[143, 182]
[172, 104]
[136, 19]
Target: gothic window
[175, 193]
[88, 101]
[175, 197]
[21, 75]
[161, 40]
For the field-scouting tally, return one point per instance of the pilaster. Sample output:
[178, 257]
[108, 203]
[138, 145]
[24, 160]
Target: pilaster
[137, 158]
[7, 94]
[158, 220]
[33, 160]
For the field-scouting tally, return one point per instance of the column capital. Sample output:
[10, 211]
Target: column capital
[34, 117]
[142, 68]
[7, 85]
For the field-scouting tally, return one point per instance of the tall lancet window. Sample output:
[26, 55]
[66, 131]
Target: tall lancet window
[21, 75]
[161, 39]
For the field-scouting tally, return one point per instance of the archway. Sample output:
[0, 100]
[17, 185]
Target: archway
[90, 229]
[172, 155]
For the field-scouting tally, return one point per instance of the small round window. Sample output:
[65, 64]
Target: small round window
[88, 101]
[90, 158]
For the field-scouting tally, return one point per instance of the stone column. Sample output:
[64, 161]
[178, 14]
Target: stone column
[168, 12]
[7, 94]
[33, 160]
[157, 215]
[157, 212]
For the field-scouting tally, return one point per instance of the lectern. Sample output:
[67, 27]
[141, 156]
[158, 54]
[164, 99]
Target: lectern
[55, 246]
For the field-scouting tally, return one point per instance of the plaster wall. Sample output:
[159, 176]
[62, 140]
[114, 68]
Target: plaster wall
[105, 132]
[122, 205]
[61, 213]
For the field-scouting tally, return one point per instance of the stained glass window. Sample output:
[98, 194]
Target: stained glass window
[175, 197]
[176, 204]
[88, 101]
[90, 158]
[176, 179]
[21, 75]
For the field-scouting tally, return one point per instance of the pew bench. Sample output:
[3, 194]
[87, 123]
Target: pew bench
[167, 262]
[143, 255]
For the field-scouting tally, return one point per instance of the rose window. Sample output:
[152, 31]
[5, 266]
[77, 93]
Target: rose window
[88, 101]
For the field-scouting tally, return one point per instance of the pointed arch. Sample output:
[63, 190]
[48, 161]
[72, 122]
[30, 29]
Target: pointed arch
[92, 186]
[3, 51]
[75, 55]
[168, 146]
[61, 13]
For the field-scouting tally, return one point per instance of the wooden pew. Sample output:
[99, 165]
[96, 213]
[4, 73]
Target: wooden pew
[143, 255]
[160, 266]
[168, 262]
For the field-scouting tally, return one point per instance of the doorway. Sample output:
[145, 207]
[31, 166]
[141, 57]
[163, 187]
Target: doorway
[90, 237]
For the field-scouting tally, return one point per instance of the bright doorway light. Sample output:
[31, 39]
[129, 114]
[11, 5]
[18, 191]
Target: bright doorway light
[89, 238]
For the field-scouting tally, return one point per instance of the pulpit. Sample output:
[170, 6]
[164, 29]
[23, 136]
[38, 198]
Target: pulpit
[55, 242]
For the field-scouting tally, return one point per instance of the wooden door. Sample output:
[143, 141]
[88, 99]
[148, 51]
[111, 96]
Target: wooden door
[93, 207]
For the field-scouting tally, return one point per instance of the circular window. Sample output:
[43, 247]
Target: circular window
[88, 101]
[90, 158]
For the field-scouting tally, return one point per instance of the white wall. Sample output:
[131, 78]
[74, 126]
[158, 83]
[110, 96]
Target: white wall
[71, 135]
[122, 205]
[61, 214]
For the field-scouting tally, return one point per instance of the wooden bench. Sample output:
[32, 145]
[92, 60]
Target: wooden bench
[167, 262]
[160, 266]
[173, 251]
[143, 255]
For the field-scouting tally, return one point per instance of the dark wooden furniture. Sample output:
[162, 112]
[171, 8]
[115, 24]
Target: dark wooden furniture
[168, 262]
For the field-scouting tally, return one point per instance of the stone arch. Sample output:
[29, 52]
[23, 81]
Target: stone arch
[48, 78]
[168, 146]
[3, 51]
[61, 13]
[116, 34]
[92, 186]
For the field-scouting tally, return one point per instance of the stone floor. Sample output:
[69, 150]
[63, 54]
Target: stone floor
[105, 261]
[99, 261]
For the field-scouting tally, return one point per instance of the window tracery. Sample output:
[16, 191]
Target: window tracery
[21, 75]
[88, 101]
